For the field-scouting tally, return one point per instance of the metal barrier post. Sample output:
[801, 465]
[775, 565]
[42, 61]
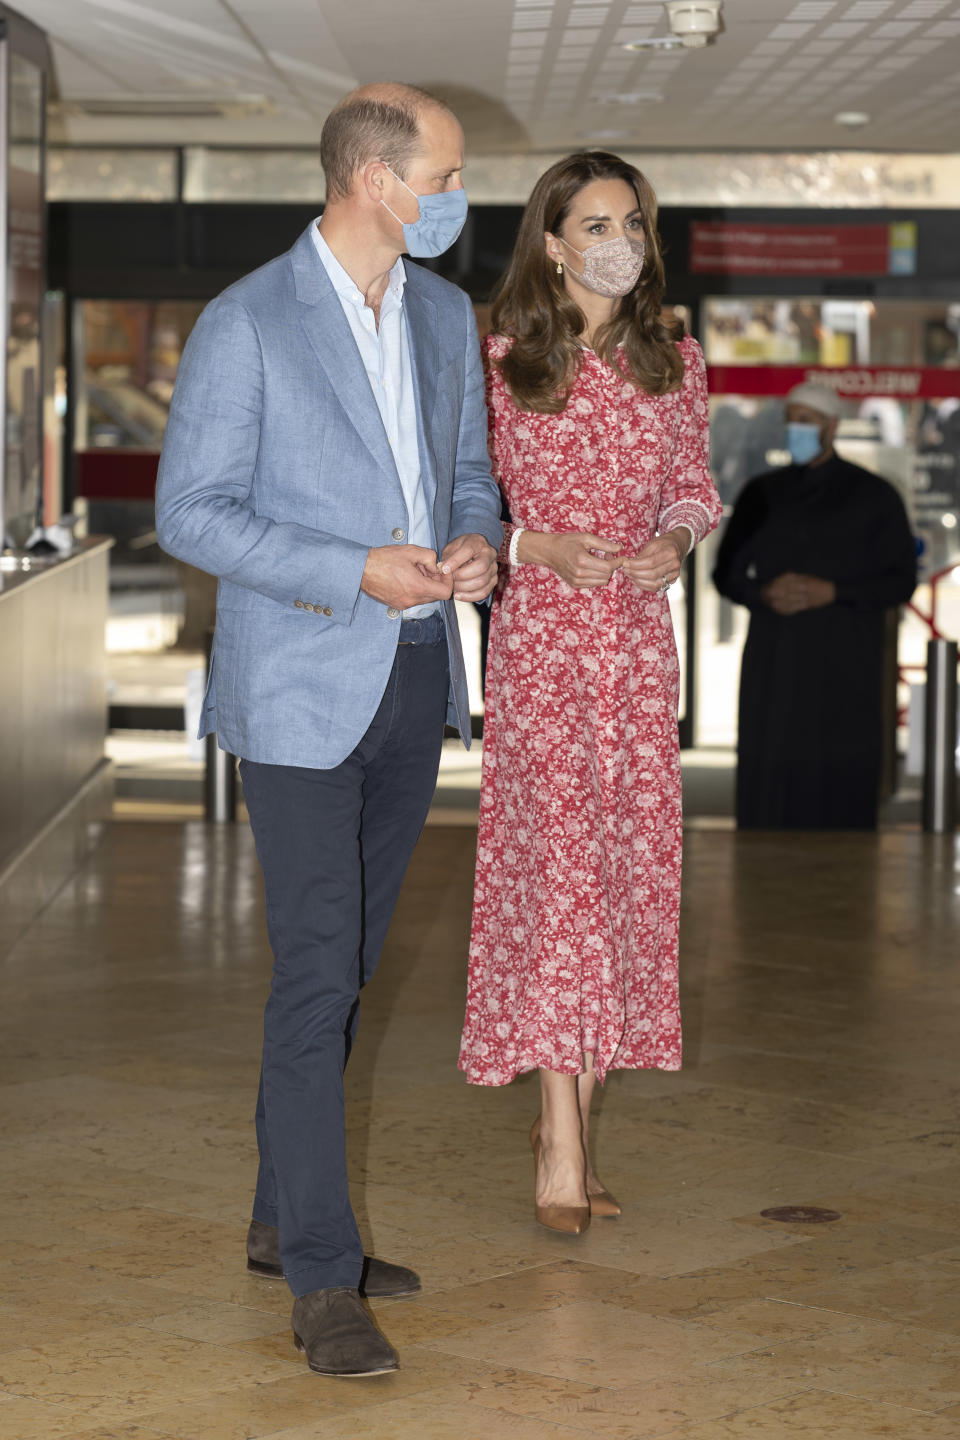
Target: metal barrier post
[940, 739]
[219, 784]
[219, 773]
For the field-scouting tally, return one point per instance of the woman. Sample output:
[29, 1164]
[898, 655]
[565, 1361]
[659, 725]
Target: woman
[598, 416]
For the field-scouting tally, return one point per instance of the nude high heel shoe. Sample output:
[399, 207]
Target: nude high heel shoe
[602, 1206]
[568, 1219]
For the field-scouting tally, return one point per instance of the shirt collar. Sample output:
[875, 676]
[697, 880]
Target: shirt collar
[341, 281]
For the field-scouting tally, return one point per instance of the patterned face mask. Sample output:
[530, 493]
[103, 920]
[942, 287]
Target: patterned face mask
[612, 267]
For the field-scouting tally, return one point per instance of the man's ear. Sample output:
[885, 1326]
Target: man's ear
[372, 179]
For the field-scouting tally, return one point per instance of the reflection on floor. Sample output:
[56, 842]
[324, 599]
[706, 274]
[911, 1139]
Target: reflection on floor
[821, 1017]
[157, 778]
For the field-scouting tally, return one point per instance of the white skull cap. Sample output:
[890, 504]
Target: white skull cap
[818, 397]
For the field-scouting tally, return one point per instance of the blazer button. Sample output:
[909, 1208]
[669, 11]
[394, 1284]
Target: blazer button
[399, 534]
[299, 605]
[393, 613]
[327, 610]
[308, 606]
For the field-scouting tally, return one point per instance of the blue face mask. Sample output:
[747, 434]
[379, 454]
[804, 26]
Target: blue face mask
[803, 441]
[442, 218]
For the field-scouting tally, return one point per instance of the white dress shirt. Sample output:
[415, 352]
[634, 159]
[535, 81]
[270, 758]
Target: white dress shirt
[385, 352]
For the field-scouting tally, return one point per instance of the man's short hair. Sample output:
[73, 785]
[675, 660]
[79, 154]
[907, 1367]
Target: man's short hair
[360, 130]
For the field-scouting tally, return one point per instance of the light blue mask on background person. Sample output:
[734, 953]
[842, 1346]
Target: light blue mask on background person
[442, 217]
[803, 441]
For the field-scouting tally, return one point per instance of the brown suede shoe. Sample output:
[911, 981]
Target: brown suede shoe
[263, 1251]
[338, 1335]
[379, 1281]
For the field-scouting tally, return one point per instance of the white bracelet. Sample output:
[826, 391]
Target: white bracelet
[514, 540]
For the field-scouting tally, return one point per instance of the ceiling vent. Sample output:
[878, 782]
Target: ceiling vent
[164, 107]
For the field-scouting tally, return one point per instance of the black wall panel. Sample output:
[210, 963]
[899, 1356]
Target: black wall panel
[154, 251]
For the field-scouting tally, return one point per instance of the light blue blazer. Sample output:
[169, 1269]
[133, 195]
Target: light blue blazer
[276, 476]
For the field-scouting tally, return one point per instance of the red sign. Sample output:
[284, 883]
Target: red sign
[107, 474]
[851, 382]
[719, 247]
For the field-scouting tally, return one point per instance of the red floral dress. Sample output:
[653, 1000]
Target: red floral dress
[576, 909]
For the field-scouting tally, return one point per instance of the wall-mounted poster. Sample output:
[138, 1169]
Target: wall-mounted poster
[23, 450]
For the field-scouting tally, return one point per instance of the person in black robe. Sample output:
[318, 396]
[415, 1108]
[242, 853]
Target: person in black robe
[818, 551]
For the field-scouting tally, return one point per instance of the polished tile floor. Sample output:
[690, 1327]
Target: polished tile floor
[822, 995]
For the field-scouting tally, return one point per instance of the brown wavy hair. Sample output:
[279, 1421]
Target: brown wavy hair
[532, 306]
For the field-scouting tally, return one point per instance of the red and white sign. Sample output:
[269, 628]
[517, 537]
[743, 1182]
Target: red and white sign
[721, 247]
[851, 382]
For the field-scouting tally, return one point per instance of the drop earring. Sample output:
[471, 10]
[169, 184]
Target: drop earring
[559, 268]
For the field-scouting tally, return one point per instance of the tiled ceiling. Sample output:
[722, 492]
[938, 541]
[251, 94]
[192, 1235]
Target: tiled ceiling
[522, 74]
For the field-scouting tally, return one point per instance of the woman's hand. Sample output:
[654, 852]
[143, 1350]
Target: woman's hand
[473, 564]
[659, 561]
[583, 561]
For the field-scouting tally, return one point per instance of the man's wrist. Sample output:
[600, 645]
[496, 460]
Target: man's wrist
[365, 573]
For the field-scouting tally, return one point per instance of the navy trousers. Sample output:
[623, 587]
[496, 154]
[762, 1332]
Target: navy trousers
[333, 846]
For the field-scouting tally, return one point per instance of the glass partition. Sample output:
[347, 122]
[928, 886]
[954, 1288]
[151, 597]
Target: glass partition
[770, 179]
[128, 353]
[253, 176]
[112, 173]
[125, 359]
[896, 367]
[23, 102]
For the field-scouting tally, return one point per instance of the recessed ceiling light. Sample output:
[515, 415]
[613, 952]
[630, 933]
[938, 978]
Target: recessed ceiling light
[629, 97]
[853, 119]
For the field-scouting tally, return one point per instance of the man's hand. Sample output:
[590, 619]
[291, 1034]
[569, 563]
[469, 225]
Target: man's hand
[584, 561]
[659, 560]
[404, 576]
[791, 594]
[471, 565]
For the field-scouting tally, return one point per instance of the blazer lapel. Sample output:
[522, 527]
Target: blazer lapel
[423, 334]
[330, 336]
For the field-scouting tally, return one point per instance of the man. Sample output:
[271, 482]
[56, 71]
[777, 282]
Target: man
[326, 458]
[819, 551]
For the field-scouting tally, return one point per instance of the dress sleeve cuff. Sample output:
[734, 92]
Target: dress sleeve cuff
[691, 513]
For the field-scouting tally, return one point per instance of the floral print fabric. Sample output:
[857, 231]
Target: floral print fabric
[576, 909]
